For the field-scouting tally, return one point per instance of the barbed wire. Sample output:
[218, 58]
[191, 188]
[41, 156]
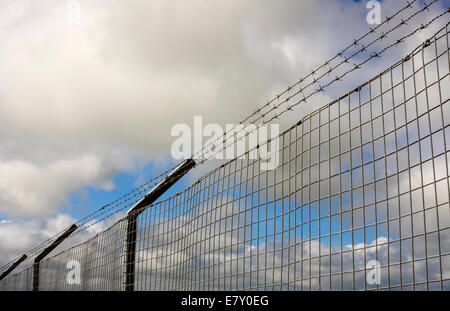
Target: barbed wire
[428, 41]
[339, 54]
[346, 59]
[358, 66]
[372, 30]
[315, 81]
[129, 205]
[87, 225]
[338, 78]
[128, 197]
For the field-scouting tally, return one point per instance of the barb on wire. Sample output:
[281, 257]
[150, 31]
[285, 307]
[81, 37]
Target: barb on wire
[340, 53]
[316, 79]
[84, 223]
[338, 78]
[346, 60]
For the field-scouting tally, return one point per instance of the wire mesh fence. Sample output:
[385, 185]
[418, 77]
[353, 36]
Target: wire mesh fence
[100, 261]
[362, 182]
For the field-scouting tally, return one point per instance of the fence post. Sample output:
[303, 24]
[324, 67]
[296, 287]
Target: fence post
[13, 266]
[45, 252]
[137, 209]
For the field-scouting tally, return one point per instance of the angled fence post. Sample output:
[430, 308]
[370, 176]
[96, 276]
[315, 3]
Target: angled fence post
[13, 266]
[137, 209]
[45, 252]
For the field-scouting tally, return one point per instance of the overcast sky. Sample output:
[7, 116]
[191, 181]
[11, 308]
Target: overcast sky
[86, 109]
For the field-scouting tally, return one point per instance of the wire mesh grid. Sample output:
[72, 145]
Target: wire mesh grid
[21, 281]
[363, 178]
[97, 263]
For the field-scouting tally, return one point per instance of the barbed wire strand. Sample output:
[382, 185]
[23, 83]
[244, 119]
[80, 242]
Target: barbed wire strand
[355, 42]
[338, 78]
[339, 54]
[133, 194]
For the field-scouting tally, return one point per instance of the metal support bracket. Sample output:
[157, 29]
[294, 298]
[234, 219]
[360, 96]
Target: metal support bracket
[45, 252]
[138, 208]
[13, 266]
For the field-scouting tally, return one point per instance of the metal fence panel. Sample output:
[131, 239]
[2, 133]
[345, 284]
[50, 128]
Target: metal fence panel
[362, 180]
[99, 260]
[365, 178]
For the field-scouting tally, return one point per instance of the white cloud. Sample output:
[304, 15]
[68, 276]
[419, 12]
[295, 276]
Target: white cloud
[28, 189]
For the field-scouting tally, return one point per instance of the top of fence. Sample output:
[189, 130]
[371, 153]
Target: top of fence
[439, 34]
[442, 32]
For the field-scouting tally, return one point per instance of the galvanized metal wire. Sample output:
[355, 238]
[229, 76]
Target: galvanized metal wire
[129, 199]
[363, 178]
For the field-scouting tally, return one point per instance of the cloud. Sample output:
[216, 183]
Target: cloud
[28, 189]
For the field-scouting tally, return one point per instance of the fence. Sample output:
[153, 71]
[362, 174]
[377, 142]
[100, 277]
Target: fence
[364, 178]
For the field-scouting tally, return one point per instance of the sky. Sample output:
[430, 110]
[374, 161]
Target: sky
[86, 108]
